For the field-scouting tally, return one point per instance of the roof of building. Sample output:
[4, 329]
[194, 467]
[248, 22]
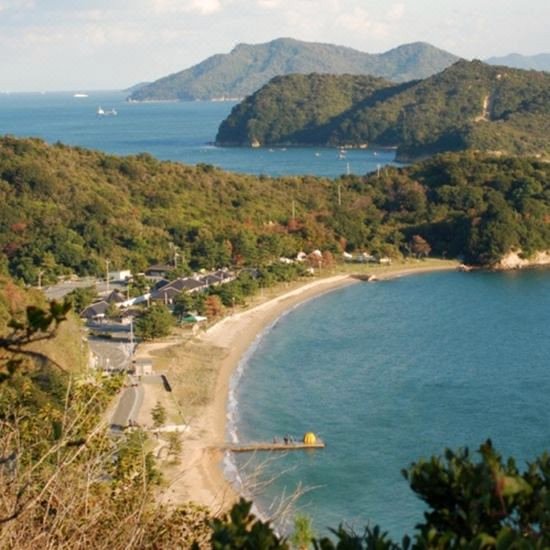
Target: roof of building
[115, 297]
[94, 310]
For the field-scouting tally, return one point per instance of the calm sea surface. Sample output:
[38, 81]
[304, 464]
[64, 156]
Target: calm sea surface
[390, 372]
[385, 373]
[169, 131]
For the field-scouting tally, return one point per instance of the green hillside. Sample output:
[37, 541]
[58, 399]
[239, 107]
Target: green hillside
[65, 209]
[249, 66]
[470, 105]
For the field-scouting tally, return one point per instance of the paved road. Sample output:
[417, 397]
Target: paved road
[55, 292]
[111, 354]
[128, 406]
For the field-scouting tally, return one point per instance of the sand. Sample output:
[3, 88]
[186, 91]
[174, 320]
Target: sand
[199, 476]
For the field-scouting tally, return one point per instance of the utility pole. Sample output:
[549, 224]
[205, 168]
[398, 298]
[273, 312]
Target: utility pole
[107, 262]
[340, 193]
[40, 273]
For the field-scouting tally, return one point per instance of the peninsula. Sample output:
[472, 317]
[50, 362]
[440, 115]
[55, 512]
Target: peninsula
[469, 105]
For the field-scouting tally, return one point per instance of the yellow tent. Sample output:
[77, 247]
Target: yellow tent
[309, 438]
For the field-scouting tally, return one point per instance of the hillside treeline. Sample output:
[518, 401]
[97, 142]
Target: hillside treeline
[65, 209]
[469, 105]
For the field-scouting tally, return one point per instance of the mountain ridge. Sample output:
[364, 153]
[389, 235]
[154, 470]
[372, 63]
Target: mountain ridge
[536, 62]
[247, 67]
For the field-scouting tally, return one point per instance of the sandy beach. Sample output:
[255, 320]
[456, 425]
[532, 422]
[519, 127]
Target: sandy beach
[199, 476]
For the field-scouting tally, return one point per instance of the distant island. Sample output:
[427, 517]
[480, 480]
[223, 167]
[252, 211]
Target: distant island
[470, 105]
[249, 66]
[538, 62]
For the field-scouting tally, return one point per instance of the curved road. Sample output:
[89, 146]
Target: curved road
[128, 406]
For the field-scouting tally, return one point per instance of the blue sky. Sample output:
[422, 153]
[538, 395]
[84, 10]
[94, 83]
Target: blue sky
[108, 44]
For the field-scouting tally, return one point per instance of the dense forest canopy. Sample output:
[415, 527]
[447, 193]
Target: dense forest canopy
[65, 209]
[249, 66]
[470, 105]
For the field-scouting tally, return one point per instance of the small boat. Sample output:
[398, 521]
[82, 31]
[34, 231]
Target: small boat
[102, 112]
[80, 95]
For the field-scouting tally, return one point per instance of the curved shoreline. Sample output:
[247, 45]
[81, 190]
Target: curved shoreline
[202, 479]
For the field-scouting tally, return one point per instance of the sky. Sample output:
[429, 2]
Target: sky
[112, 44]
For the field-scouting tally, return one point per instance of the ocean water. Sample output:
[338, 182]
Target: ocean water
[170, 131]
[390, 372]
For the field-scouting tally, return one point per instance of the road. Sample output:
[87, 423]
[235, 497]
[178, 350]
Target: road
[128, 406]
[56, 292]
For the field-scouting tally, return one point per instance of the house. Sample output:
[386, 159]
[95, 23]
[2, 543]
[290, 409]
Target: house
[219, 277]
[158, 271]
[95, 311]
[122, 275]
[168, 292]
[165, 294]
[142, 367]
[115, 297]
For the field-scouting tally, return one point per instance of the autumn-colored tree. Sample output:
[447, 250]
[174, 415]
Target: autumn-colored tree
[420, 246]
[213, 306]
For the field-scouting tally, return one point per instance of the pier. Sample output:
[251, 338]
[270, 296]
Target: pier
[277, 446]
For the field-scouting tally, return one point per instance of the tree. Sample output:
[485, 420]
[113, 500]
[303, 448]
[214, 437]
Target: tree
[486, 504]
[175, 446]
[303, 534]
[158, 414]
[420, 246]
[81, 298]
[156, 322]
[184, 302]
[213, 306]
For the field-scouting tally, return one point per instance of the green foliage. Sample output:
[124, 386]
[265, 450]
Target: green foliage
[487, 504]
[240, 530]
[158, 415]
[81, 298]
[248, 67]
[155, 322]
[469, 205]
[302, 535]
[175, 446]
[470, 105]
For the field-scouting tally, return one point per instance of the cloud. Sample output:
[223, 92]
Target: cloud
[269, 4]
[200, 7]
[396, 12]
[14, 5]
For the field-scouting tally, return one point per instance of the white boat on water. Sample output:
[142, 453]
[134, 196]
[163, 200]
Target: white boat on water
[80, 95]
[102, 112]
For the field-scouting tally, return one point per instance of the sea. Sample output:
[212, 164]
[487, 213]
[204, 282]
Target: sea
[180, 131]
[385, 373]
[388, 373]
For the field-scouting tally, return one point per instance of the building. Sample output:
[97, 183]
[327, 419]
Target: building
[142, 367]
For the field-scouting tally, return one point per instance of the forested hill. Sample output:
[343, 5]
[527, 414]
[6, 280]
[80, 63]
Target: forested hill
[64, 209]
[249, 66]
[470, 105]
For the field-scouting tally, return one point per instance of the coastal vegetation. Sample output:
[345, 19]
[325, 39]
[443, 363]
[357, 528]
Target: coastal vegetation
[66, 210]
[469, 105]
[249, 66]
